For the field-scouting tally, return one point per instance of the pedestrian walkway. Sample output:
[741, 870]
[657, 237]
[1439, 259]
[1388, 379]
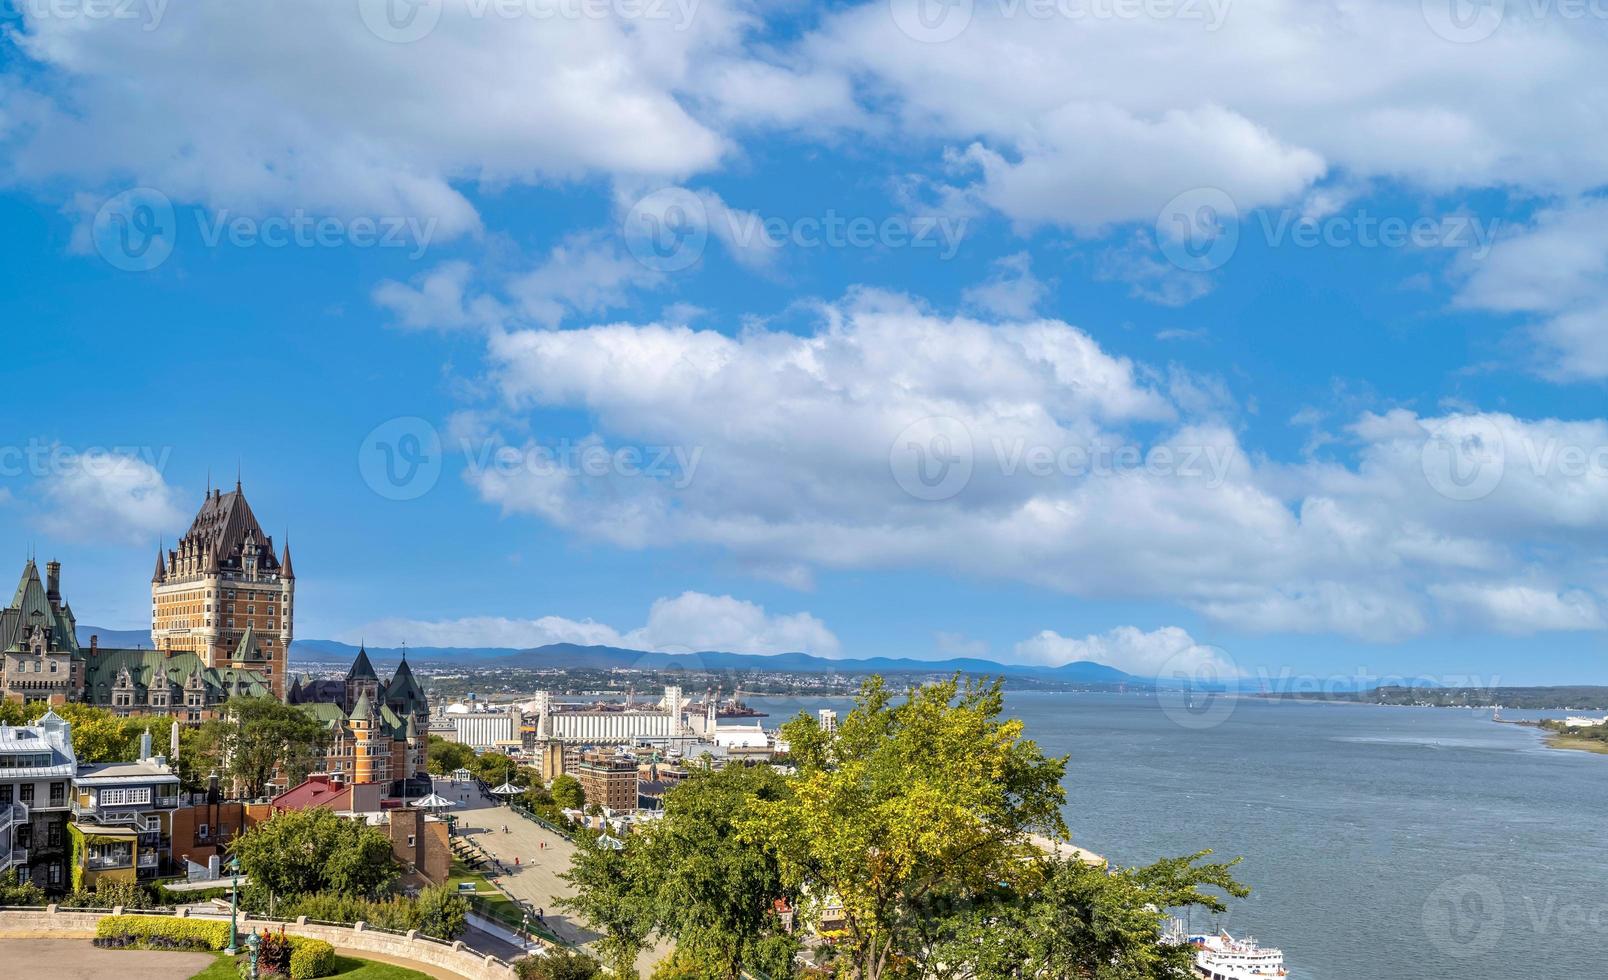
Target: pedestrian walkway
[542, 856]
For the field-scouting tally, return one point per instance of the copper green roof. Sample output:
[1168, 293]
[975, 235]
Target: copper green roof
[148, 667]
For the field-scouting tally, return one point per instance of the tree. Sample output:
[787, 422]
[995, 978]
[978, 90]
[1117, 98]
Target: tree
[905, 804]
[1077, 919]
[443, 757]
[610, 894]
[442, 912]
[302, 852]
[556, 964]
[14, 891]
[567, 793]
[711, 891]
[253, 737]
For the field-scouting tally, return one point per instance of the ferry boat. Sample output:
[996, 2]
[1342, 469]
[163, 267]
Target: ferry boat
[1222, 957]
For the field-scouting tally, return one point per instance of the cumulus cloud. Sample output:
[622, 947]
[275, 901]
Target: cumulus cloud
[1163, 653]
[692, 622]
[1520, 609]
[106, 494]
[304, 104]
[1555, 271]
[1012, 290]
[1079, 471]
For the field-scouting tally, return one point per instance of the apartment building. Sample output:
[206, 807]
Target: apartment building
[37, 765]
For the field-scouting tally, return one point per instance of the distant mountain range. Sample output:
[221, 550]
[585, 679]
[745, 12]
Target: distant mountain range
[569, 655]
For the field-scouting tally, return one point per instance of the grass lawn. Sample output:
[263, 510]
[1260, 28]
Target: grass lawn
[1576, 742]
[491, 902]
[346, 968]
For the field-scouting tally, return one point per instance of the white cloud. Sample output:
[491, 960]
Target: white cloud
[1163, 653]
[267, 108]
[1556, 271]
[692, 622]
[100, 494]
[1520, 609]
[1012, 291]
[807, 445]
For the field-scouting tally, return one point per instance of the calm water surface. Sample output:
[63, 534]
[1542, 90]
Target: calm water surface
[1411, 843]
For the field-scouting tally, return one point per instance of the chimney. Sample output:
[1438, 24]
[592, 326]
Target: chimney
[53, 584]
[94, 644]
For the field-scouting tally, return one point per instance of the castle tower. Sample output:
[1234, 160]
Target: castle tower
[222, 584]
[361, 724]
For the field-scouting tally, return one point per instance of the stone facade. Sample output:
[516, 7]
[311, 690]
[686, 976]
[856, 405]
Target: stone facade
[224, 595]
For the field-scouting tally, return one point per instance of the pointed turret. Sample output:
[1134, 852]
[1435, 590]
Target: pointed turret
[362, 709]
[160, 575]
[284, 563]
[362, 670]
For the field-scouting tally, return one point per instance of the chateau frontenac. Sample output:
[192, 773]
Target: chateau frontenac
[222, 621]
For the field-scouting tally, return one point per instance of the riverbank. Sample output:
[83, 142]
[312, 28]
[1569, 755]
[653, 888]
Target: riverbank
[1578, 743]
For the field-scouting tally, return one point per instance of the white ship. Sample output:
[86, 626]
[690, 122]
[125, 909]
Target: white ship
[1222, 957]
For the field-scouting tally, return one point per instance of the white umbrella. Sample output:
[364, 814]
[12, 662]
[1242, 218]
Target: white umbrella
[433, 802]
[506, 789]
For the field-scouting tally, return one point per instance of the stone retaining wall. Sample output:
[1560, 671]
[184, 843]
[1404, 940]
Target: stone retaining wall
[53, 922]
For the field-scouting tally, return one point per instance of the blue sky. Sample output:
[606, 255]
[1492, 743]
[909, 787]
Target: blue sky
[1348, 328]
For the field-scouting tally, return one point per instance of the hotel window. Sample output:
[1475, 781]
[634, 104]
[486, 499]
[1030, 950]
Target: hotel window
[27, 793]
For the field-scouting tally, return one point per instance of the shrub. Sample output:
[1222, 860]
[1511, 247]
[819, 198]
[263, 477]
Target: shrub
[310, 958]
[441, 912]
[273, 953]
[16, 892]
[160, 932]
[557, 964]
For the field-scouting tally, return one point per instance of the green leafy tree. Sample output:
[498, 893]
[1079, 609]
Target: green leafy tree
[443, 757]
[713, 892]
[14, 891]
[253, 737]
[567, 793]
[610, 893]
[302, 852]
[933, 796]
[442, 912]
[1076, 919]
[557, 964]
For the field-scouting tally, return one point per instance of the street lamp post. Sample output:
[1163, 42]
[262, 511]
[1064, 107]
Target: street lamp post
[253, 943]
[234, 905]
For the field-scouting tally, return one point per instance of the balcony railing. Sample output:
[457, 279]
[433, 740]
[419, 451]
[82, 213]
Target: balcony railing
[149, 859]
[109, 863]
[19, 855]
